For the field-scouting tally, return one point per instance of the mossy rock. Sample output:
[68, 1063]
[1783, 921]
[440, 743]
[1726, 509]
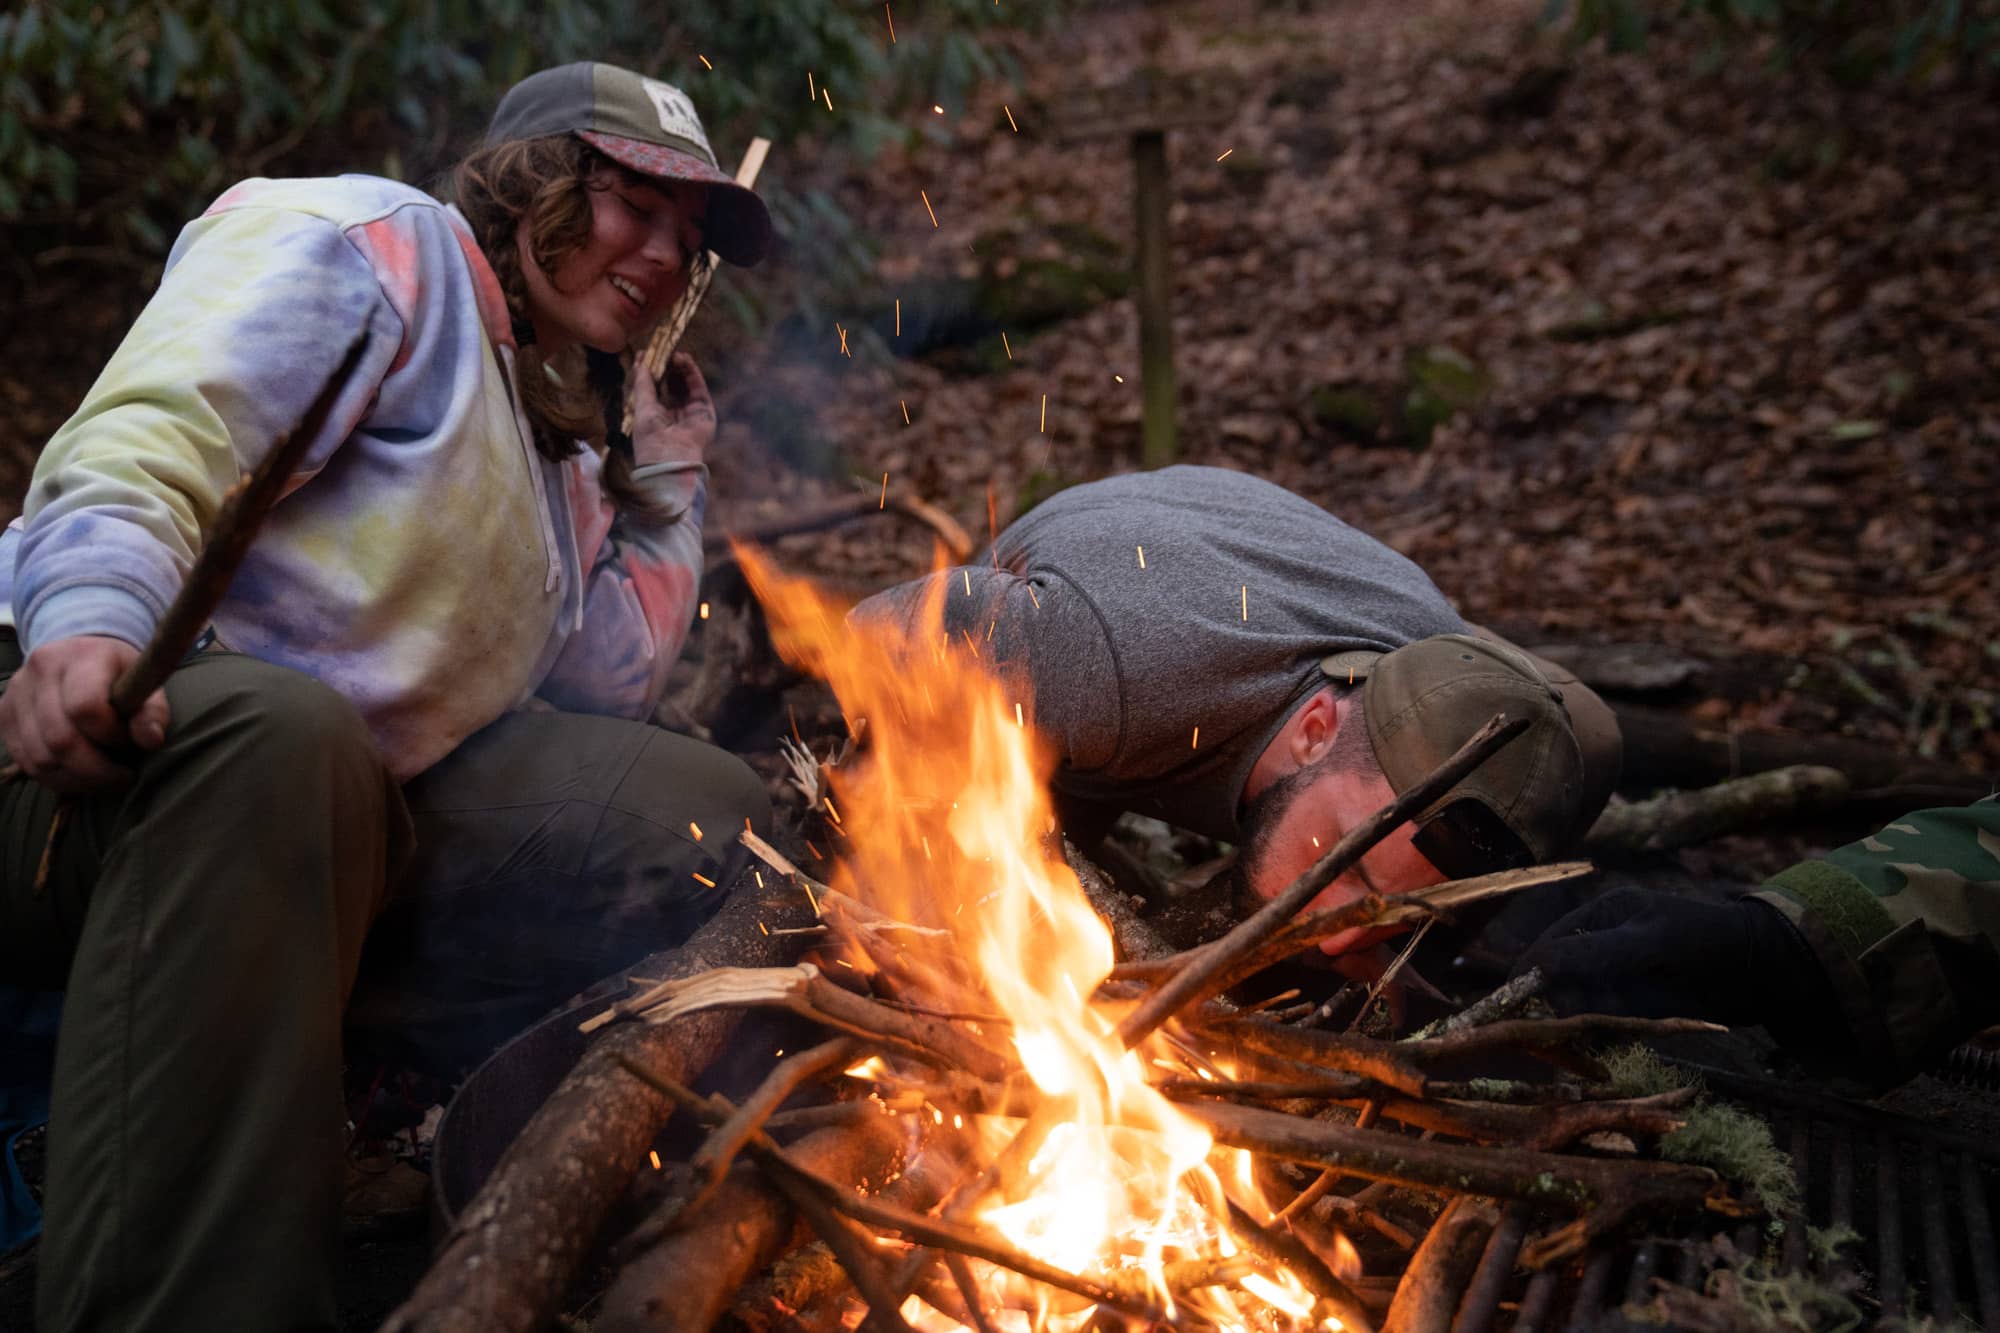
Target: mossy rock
[1046, 291]
[1307, 88]
[1351, 410]
[1245, 171]
[1442, 383]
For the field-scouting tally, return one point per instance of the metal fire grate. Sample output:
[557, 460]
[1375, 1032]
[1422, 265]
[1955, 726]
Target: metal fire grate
[1921, 1198]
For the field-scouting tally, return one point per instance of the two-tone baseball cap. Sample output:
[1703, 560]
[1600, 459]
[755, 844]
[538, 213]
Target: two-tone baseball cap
[645, 125]
[1425, 700]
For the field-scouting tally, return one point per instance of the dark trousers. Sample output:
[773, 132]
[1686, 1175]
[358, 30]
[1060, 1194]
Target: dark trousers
[207, 924]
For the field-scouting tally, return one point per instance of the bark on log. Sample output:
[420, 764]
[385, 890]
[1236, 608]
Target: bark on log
[515, 1249]
[1664, 749]
[1134, 937]
[689, 1280]
[1427, 1297]
[1550, 1179]
[1677, 819]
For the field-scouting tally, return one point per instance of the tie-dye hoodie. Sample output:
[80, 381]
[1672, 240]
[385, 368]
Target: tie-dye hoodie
[425, 562]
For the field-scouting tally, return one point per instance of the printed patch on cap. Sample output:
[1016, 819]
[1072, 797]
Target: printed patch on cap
[676, 113]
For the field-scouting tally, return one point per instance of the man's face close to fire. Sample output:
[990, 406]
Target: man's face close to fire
[1314, 781]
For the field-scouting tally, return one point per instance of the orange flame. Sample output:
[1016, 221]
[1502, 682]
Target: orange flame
[951, 829]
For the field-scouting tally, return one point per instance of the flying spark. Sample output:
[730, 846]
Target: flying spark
[1019, 721]
[1142, 556]
[843, 341]
[1045, 414]
[906, 410]
[760, 877]
[1246, 602]
[695, 829]
[935, 107]
[827, 95]
[812, 94]
[654, 1155]
[1005, 345]
[704, 610]
[829, 808]
[703, 59]
[703, 880]
[899, 317]
[928, 208]
[1225, 153]
[1031, 597]
[885, 492]
[1195, 744]
[967, 574]
[1118, 378]
[892, 24]
[1010, 120]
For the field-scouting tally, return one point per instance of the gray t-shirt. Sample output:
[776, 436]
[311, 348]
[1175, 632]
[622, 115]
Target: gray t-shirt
[1124, 661]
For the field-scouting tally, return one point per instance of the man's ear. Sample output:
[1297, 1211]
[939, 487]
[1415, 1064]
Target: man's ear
[1315, 725]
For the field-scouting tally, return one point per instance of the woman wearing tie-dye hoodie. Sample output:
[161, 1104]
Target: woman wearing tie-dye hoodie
[424, 704]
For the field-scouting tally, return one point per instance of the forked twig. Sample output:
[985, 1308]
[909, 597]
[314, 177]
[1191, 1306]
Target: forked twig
[1196, 980]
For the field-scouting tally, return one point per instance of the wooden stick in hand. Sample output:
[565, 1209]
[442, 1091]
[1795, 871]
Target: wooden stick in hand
[668, 332]
[236, 523]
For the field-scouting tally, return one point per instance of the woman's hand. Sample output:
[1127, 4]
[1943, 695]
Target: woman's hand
[56, 718]
[676, 426]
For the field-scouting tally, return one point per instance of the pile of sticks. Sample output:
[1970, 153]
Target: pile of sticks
[865, 1140]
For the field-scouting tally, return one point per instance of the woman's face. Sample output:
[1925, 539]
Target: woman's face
[644, 235]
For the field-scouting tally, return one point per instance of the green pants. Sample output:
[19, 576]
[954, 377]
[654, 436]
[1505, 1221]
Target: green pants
[208, 925]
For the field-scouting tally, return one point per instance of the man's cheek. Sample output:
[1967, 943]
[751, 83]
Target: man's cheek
[1335, 895]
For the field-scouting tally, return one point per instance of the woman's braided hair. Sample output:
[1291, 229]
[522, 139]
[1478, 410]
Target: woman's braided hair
[544, 185]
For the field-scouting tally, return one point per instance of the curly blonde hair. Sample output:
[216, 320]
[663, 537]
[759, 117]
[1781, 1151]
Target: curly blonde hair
[544, 185]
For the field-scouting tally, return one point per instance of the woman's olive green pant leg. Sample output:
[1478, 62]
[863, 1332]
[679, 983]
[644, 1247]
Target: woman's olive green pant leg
[212, 915]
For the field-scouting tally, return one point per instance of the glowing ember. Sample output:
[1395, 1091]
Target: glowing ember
[947, 830]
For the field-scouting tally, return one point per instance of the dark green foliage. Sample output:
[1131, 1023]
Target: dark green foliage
[121, 118]
[1856, 40]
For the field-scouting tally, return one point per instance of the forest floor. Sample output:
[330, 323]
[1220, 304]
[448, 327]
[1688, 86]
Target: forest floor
[1709, 347]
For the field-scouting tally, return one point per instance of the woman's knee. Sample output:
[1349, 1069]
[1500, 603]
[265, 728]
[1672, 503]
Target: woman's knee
[700, 784]
[258, 722]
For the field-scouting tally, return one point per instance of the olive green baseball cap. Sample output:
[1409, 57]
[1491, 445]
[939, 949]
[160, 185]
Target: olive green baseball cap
[645, 125]
[1425, 700]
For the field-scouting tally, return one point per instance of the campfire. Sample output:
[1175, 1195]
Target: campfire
[1015, 1122]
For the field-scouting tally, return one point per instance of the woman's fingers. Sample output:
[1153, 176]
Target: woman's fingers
[58, 718]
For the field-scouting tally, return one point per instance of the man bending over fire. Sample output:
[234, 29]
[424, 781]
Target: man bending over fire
[1209, 649]
[1212, 650]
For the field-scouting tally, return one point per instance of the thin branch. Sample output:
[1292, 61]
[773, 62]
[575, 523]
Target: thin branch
[1194, 982]
[927, 1230]
[712, 1160]
[229, 538]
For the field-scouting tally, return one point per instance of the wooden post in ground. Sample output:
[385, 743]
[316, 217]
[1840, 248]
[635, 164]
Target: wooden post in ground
[1144, 108]
[1150, 198]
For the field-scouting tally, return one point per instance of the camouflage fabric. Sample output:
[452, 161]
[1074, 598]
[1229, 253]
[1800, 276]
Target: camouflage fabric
[1907, 924]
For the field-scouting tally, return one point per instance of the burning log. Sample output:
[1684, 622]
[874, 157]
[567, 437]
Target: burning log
[1427, 1297]
[689, 1277]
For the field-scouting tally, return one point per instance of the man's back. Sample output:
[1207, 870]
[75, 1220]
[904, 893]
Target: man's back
[1142, 607]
